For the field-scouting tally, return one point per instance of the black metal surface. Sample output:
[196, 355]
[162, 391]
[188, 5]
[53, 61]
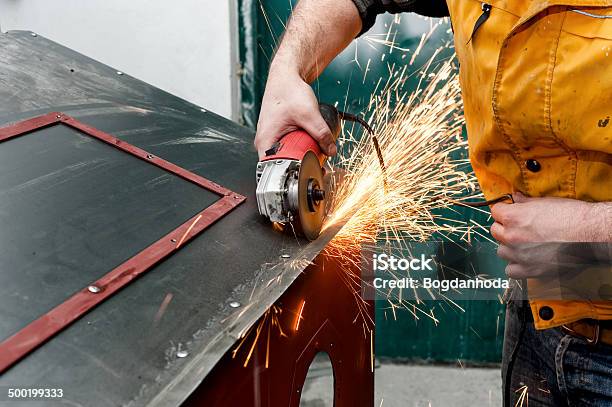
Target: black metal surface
[124, 351]
[73, 208]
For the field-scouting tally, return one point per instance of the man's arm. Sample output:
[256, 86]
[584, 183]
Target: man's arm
[317, 31]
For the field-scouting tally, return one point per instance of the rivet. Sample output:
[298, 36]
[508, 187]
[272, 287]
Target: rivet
[285, 256]
[182, 354]
[94, 289]
[234, 304]
[34, 34]
[119, 73]
[173, 240]
[59, 116]
[203, 110]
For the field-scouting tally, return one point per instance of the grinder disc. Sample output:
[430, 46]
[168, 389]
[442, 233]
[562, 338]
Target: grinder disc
[311, 209]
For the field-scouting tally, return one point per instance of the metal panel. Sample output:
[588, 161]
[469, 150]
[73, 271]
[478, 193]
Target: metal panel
[37, 332]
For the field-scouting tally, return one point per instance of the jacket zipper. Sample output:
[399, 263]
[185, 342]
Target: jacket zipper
[486, 12]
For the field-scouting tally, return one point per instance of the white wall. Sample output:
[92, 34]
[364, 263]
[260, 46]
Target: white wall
[185, 47]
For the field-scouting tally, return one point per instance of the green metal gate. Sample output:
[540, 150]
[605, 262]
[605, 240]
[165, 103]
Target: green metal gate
[471, 331]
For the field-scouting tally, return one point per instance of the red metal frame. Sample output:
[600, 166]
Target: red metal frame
[42, 329]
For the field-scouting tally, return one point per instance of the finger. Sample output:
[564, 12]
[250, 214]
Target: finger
[498, 232]
[516, 271]
[314, 124]
[507, 253]
[267, 135]
[500, 211]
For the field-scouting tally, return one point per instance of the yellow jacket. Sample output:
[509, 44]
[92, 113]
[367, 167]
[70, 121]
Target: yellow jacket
[537, 88]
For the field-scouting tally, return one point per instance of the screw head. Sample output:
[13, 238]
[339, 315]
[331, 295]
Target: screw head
[286, 256]
[182, 354]
[119, 73]
[203, 110]
[34, 34]
[173, 240]
[234, 304]
[94, 289]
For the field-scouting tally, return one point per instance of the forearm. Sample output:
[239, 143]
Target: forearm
[317, 31]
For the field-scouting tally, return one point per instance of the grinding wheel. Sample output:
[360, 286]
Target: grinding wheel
[311, 197]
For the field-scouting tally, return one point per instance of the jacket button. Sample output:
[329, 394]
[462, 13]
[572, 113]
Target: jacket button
[546, 313]
[533, 165]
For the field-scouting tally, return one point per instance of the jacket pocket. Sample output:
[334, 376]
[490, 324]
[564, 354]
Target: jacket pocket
[581, 96]
[589, 22]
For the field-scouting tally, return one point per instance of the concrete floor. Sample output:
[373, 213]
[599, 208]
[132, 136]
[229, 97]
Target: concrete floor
[402, 385]
[436, 386]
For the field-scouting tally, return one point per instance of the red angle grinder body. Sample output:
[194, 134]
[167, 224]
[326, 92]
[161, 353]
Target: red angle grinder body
[290, 179]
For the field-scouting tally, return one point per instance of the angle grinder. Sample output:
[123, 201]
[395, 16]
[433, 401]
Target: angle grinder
[291, 183]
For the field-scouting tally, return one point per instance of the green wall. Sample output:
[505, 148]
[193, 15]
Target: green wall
[473, 335]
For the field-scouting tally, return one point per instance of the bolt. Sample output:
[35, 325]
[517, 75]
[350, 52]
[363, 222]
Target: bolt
[182, 354]
[234, 304]
[94, 289]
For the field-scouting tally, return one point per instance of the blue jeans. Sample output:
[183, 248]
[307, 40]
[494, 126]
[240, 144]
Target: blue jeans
[552, 367]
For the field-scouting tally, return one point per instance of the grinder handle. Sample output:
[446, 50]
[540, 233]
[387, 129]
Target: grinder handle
[294, 145]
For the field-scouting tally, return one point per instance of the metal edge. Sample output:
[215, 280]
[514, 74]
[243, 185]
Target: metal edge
[184, 379]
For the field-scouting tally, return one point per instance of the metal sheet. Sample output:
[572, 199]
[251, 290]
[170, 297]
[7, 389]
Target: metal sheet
[124, 351]
[50, 323]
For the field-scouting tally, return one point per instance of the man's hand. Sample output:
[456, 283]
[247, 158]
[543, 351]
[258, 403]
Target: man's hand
[317, 31]
[526, 229]
[290, 104]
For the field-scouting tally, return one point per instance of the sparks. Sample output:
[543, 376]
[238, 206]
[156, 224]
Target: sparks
[417, 135]
[299, 316]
